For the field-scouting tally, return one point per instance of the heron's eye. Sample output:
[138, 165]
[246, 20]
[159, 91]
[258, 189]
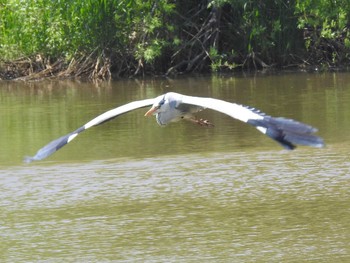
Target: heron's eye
[161, 103]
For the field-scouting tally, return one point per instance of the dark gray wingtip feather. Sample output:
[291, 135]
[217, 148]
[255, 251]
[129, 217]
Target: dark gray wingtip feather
[288, 132]
[53, 146]
[48, 149]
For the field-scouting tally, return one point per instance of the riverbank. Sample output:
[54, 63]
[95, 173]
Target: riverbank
[25, 69]
[37, 68]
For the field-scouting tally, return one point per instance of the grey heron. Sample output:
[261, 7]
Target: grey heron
[172, 107]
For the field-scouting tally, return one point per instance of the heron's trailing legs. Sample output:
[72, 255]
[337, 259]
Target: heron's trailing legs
[201, 122]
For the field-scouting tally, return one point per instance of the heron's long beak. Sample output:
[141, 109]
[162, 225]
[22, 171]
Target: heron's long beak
[150, 111]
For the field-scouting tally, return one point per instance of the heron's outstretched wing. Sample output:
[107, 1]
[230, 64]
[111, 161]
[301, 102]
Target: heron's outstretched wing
[55, 145]
[287, 132]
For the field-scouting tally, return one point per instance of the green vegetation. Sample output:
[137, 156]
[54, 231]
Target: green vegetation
[104, 38]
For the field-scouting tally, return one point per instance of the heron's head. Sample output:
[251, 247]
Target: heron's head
[157, 106]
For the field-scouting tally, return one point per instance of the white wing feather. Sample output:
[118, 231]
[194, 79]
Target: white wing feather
[57, 144]
[118, 111]
[234, 110]
[287, 132]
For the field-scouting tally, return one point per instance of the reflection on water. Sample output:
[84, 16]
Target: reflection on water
[262, 206]
[130, 191]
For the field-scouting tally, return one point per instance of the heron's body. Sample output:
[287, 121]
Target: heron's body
[172, 107]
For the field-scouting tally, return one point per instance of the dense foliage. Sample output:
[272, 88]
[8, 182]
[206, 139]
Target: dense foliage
[101, 38]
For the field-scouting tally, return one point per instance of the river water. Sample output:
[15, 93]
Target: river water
[131, 191]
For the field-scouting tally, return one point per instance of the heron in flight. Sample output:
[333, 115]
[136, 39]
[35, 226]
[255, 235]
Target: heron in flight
[172, 107]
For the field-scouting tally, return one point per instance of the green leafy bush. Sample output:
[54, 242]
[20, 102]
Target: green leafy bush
[129, 37]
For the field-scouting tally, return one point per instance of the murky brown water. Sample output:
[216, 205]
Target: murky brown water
[130, 191]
